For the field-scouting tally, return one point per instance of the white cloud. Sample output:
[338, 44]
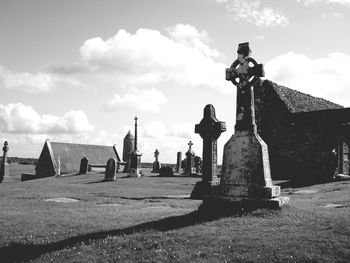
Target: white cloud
[19, 118]
[341, 2]
[253, 12]
[148, 58]
[326, 77]
[142, 100]
[35, 83]
[154, 129]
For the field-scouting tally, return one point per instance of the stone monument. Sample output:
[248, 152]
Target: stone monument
[246, 178]
[178, 162]
[190, 169]
[111, 168]
[210, 128]
[84, 164]
[4, 166]
[135, 159]
[128, 148]
[156, 163]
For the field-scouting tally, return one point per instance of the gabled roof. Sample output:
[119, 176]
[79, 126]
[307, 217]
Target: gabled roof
[297, 101]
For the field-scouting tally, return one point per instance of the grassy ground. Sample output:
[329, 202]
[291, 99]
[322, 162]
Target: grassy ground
[151, 220]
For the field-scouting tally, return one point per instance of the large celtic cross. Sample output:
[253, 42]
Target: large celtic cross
[243, 73]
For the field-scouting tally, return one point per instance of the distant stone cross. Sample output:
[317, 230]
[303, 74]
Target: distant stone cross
[209, 129]
[190, 145]
[5, 149]
[244, 72]
[156, 154]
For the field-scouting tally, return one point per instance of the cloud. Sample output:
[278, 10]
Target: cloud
[326, 77]
[34, 83]
[148, 57]
[253, 12]
[154, 129]
[341, 2]
[142, 100]
[19, 118]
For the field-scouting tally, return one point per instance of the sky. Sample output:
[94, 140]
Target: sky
[79, 71]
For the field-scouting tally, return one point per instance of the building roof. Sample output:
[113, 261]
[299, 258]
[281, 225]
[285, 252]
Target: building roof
[297, 101]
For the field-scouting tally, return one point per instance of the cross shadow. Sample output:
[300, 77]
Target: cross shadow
[17, 252]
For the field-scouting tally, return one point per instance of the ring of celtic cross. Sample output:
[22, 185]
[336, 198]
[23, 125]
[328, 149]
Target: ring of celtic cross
[242, 71]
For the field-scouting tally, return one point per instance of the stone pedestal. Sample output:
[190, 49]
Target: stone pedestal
[156, 167]
[5, 173]
[246, 169]
[135, 164]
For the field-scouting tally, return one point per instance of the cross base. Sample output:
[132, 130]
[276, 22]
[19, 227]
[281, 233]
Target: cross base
[5, 173]
[228, 204]
[135, 172]
[156, 167]
[204, 188]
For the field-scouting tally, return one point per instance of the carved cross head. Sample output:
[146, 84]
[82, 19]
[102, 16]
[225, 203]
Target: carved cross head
[244, 70]
[156, 153]
[6, 147]
[210, 127]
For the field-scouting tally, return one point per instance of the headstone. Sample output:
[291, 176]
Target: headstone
[166, 171]
[156, 163]
[4, 166]
[178, 162]
[189, 166]
[128, 148]
[246, 178]
[210, 128]
[198, 164]
[111, 170]
[135, 159]
[84, 163]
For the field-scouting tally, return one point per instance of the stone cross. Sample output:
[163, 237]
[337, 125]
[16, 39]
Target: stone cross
[156, 154]
[190, 146]
[243, 73]
[5, 149]
[209, 129]
[4, 167]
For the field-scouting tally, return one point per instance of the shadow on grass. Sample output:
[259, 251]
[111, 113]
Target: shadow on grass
[15, 252]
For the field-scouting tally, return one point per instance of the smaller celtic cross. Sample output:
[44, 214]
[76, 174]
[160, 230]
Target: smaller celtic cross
[156, 154]
[209, 129]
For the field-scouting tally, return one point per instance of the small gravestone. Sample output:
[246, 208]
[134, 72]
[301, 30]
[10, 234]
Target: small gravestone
[4, 166]
[110, 170]
[190, 169]
[156, 163]
[178, 162]
[198, 164]
[166, 171]
[84, 163]
[210, 128]
[58, 171]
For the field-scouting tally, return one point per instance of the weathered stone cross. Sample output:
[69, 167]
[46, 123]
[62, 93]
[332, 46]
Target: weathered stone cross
[156, 154]
[243, 73]
[190, 146]
[5, 149]
[209, 129]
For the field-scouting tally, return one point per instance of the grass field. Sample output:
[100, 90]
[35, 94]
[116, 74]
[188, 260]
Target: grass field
[151, 219]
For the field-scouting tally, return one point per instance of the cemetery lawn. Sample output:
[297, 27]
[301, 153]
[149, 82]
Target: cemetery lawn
[151, 219]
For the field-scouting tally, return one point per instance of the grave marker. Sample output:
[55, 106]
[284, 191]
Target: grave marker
[178, 162]
[84, 164]
[135, 159]
[111, 170]
[246, 178]
[156, 163]
[210, 128]
[189, 166]
[4, 166]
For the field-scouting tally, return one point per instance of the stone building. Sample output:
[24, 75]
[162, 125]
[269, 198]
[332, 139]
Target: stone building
[307, 137]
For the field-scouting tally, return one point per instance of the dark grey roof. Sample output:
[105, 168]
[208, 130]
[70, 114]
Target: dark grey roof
[297, 101]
